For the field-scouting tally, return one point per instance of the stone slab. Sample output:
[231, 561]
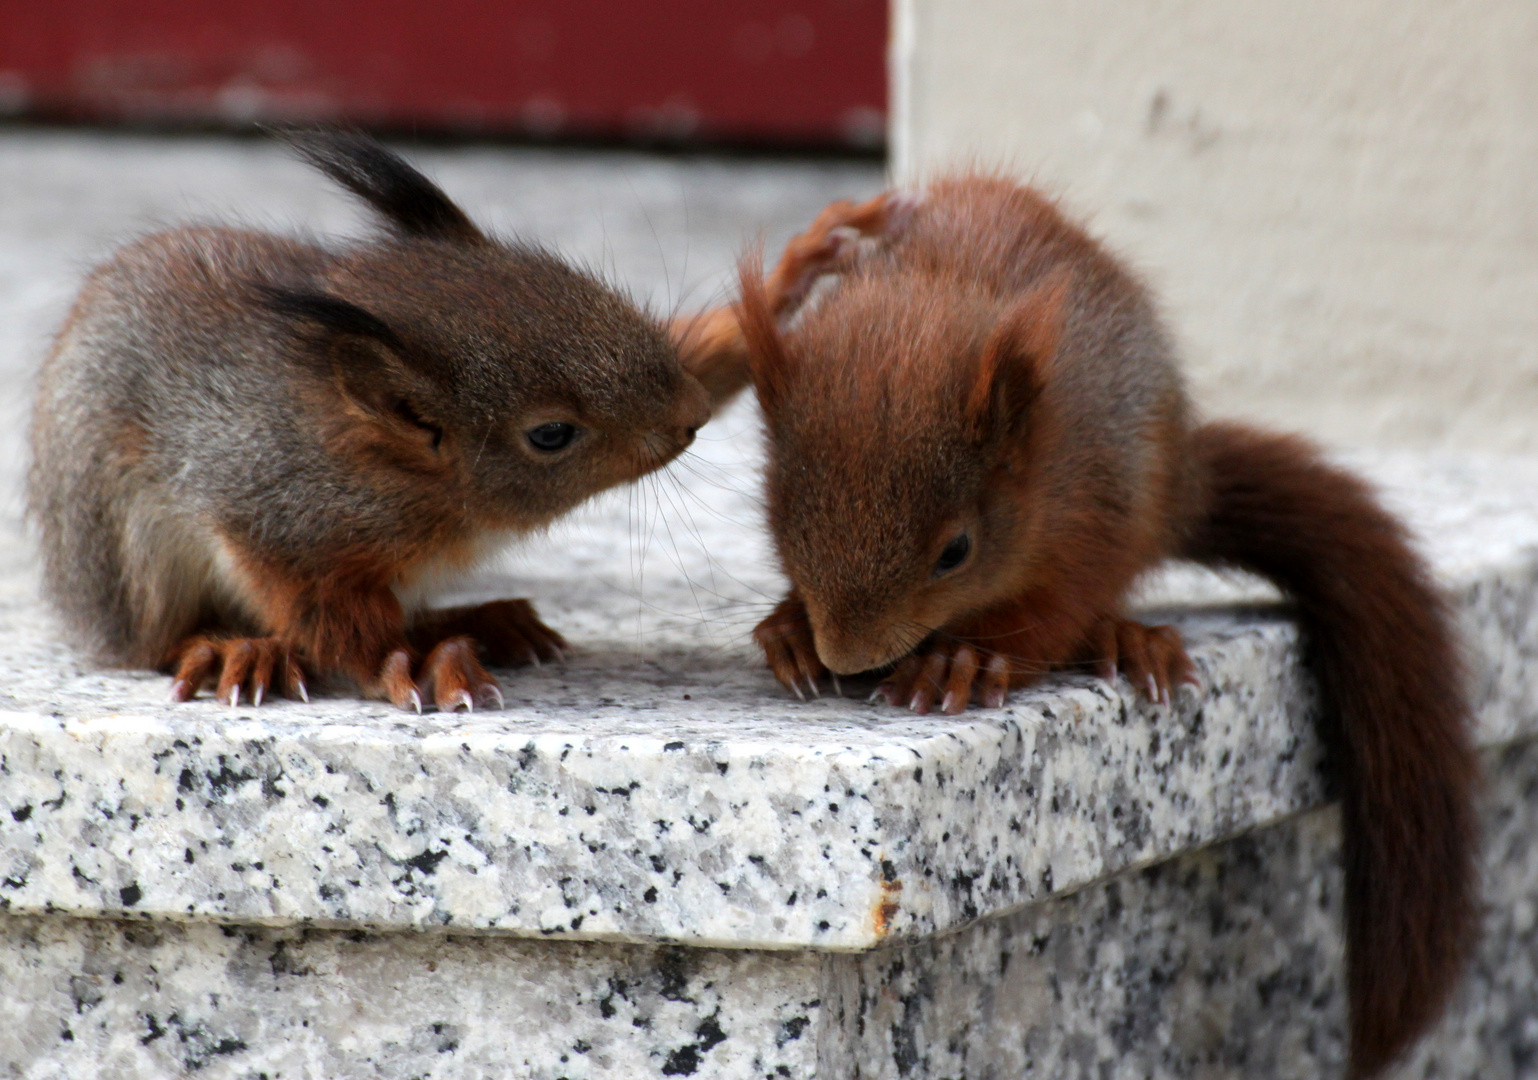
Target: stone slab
[1222, 962]
[661, 787]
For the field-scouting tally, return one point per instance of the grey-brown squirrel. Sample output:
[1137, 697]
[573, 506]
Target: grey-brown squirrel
[978, 439]
[253, 454]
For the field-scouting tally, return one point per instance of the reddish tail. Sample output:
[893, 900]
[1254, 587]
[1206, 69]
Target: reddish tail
[1380, 642]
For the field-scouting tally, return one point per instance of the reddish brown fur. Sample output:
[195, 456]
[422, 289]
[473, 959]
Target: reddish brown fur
[992, 379]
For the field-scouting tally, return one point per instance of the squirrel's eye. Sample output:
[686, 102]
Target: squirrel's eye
[551, 437]
[954, 555]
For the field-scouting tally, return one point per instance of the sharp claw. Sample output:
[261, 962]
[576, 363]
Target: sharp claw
[304, 692]
[948, 706]
[495, 689]
[178, 689]
[534, 658]
[994, 699]
[416, 702]
[464, 698]
[1153, 689]
[796, 688]
[838, 687]
[256, 698]
[880, 691]
[811, 684]
[916, 701]
[234, 697]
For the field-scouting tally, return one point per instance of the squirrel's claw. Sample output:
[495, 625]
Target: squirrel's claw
[236, 664]
[455, 679]
[786, 638]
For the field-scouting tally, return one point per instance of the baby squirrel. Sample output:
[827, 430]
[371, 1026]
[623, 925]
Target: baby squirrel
[254, 456]
[978, 439]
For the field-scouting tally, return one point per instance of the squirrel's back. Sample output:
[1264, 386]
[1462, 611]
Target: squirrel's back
[160, 355]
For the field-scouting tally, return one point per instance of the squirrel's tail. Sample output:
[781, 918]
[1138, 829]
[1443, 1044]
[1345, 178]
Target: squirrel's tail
[1379, 639]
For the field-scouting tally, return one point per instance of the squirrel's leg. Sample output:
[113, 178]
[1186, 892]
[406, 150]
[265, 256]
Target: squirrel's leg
[509, 632]
[710, 343]
[256, 665]
[786, 638]
[349, 621]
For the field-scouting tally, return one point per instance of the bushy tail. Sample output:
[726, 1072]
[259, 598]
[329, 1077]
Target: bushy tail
[1380, 642]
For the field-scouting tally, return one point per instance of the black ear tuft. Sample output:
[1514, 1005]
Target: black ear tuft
[408, 201]
[337, 316]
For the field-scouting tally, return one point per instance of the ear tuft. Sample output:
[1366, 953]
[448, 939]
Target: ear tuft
[409, 202]
[768, 360]
[1016, 362]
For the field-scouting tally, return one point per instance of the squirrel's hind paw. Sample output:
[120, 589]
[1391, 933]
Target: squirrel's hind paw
[257, 666]
[509, 632]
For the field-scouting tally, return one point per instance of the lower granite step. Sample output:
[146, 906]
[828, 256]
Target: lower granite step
[1222, 962]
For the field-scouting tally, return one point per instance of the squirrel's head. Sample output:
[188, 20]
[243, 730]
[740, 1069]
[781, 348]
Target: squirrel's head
[899, 429]
[513, 382]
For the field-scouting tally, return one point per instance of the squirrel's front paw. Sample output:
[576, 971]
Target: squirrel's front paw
[256, 665]
[834, 241]
[1153, 657]
[786, 638]
[451, 678]
[950, 673]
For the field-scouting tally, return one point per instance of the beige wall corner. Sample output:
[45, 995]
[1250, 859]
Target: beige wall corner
[1337, 200]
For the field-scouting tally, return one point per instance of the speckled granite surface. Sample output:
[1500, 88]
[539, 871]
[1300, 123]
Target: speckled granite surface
[1219, 963]
[661, 787]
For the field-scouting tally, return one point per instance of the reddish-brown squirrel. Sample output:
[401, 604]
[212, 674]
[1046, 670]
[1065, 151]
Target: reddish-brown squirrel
[254, 455]
[978, 439]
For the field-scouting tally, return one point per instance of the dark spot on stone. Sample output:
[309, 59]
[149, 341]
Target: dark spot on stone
[710, 1033]
[682, 1062]
[66, 1035]
[790, 1030]
[673, 969]
[130, 894]
[186, 781]
[650, 895]
[427, 862]
[888, 871]
[22, 813]
[320, 801]
[676, 745]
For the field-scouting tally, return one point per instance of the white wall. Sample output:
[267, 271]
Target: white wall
[1337, 199]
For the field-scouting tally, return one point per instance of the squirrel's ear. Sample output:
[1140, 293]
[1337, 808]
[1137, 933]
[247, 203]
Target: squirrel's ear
[770, 363]
[1016, 361]
[333, 315]
[409, 202]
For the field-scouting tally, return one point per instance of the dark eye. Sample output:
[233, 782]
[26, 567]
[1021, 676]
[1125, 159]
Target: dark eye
[954, 555]
[553, 436]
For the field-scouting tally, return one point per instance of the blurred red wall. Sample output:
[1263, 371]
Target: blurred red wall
[750, 71]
